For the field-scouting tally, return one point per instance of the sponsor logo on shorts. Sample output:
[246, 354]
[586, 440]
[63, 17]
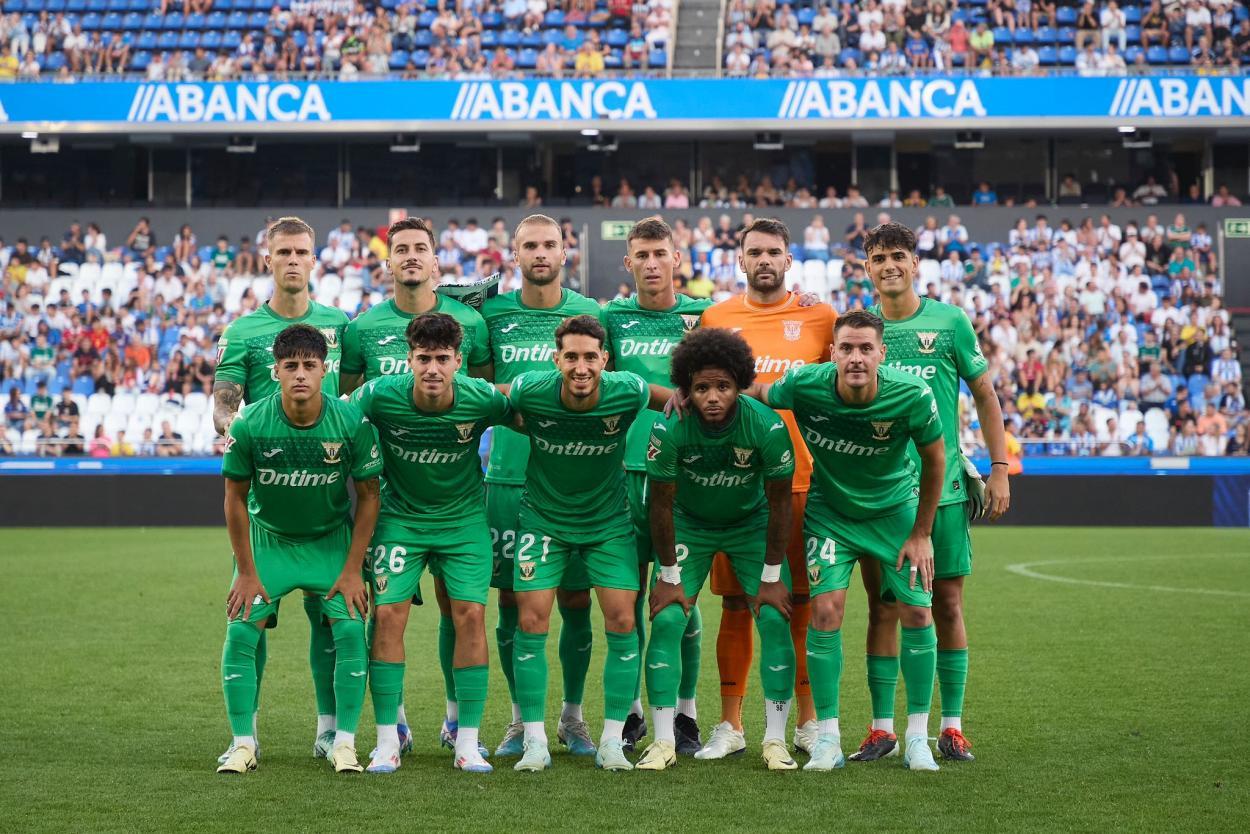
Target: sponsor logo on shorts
[465, 430]
[612, 425]
[927, 341]
[881, 429]
[742, 457]
[527, 570]
[333, 452]
[792, 330]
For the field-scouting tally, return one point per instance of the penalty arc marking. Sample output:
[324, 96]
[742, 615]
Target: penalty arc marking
[1027, 569]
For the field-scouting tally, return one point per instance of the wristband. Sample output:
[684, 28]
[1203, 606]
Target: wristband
[670, 574]
[771, 573]
[999, 463]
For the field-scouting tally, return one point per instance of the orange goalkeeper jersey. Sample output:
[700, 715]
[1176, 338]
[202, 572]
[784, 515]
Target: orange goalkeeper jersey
[782, 336]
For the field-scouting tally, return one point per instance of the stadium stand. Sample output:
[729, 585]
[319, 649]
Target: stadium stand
[1103, 339]
[765, 38]
[224, 40]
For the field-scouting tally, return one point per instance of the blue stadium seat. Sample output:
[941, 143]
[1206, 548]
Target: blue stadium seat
[54, 6]
[423, 38]
[1132, 14]
[1178, 55]
[173, 20]
[90, 22]
[76, 6]
[232, 39]
[960, 15]
[147, 40]
[510, 38]
[257, 20]
[84, 385]
[1048, 56]
[1067, 36]
[211, 41]
[300, 37]
[139, 62]
[490, 39]
[98, 6]
[215, 20]
[117, 5]
[1240, 12]
[553, 18]
[613, 60]
[1045, 34]
[806, 16]
[1065, 16]
[425, 19]
[111, 21]
[133, 21]
[532, 41]
[167, 41]
[1001, 34]
[195, 20]
[151, 22]
[237, 20]
[399, 59]
[850, 55]
[189, 40]
[616, 38]
[1131, 54]
[492, 20]
[552, 36]
[140, 6]
[55, 61]
[419, 58]
[1067, 55]
[1023, 36]
[1132, 33]
[527, 58]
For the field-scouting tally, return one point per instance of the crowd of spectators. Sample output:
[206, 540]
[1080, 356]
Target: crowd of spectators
[764, 38]
[1102, 338]
[223, 40]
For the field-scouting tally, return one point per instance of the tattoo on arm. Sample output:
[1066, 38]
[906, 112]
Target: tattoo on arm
[370, 488]
[227, 397]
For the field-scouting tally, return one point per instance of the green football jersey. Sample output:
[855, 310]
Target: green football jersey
[641, 341]
[433, 474]
[860, 452]
[937, 344]
[523, 339]
[245, 352]
[575, 480]
[376, 344]
[720, 474]
[299, 474]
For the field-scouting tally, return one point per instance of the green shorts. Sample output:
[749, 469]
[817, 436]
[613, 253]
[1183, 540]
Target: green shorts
[399, 553]
[285, 565]
[833, 544]
[636, 487]
[952, 544]
[745, 546]
[503, 510]
[546, 559]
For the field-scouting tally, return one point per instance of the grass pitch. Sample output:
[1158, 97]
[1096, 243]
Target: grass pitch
[1109, 674]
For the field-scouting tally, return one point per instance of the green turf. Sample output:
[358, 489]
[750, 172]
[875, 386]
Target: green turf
[1091, 707]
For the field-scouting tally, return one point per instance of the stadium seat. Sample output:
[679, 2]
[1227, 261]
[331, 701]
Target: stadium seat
[1156, 55]
[90, 22]
[617, 38]
[99, 403]
[658, 59]
[231, 39]
[553, 19]
[1023, 36]
[423, 38]
[1132, 15]
[195, 20]
[1067, 36]
[188, 40]
[550, 36]
[1066, 16]
[211, 40]
[1132, 53]
[425, 19]
[257, 20]
[196, 402]
[509, 38]
[1067, 55]
[139, 61]
[167, 41]
[490, 39]
[75, 6]
[173, 20]
[146, 40]
[132, 21]
[1133, 33]
[534, 40]
[419, 58]
[527, 58]
[492, 20]
[1001, 34]
[1045, 34]
[399, 59]
[1178, 55]
[215, 20]
[1048, 56]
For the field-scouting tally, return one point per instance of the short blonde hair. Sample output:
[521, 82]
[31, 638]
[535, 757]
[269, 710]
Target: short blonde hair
[290, 226]
[537, 220]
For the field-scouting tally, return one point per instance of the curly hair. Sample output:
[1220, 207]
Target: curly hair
[434, 330]
[890, 236]
[299, 340]
[712, 347]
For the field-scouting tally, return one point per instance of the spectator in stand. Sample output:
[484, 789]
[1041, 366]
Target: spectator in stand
[1154, 26]
[625, 197]
[985, 195]
[1223, 198]
[1088, 26]
[1197, 23]
[1114, 23]
[675, 196]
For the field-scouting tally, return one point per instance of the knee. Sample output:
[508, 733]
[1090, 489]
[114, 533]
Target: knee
[915, 616]
[881, 614]
[668, 624]
[619, 621]
[469, 619]
[533, 621]
[348, 632]
[948, 609]
[771, 624]
[827, 613]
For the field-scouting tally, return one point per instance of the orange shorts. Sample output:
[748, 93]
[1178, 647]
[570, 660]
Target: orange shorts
[725, 583]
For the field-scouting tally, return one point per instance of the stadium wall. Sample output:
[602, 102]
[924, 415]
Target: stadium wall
[603, 256]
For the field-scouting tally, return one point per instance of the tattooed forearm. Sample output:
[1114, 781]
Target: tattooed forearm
[227, 397]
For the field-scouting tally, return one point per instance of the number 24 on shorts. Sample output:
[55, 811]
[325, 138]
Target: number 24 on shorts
[819, 550]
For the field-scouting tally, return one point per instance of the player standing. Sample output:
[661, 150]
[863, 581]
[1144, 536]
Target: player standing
[288, 513]
[522, 325]
[782, 334]
[936, 342]
[246, 374]
[642, 332]
[430, 420]
[574, 510]
[376, 345]
[859, 420]
[720, 483]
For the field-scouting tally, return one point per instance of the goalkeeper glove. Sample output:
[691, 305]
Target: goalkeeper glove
[975, 490]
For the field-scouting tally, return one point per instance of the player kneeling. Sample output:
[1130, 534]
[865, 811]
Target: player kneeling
[433, 513]
[720, 483]
[288, 513]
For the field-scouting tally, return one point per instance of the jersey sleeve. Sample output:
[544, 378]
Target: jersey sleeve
[923, 420]
[362, 398]
[608, 347]
[499, 409]
[517, 391]
[644, 392]
[236, 463]
[777, 449]
[366, 459]
[480, 354]
[353, 359]
[662, 454]
[781, 392]
[969, 360]
[231, 358]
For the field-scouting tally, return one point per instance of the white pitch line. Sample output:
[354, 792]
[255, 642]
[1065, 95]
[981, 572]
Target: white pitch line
[1026, 569]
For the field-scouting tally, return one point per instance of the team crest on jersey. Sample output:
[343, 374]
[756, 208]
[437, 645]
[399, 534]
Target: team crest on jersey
[691, 322]
[332, 337]
[612, 425]
[742, 457]
[881, 429]
[792, 330]
[380, 582]
[527, 570]
[333, 452]
[927, 341]
[465, 430]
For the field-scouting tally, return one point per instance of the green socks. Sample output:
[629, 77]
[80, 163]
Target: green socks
[776, 655]
[351, 665]
[529, 660]
[952, 675]
[262, 656]
[238, 675]
[640, 628]
[576, 641]
[386, 685]
[691, 655]
[918, 659]
[824, 668]
[882, 683]
[471, 694]
[320, 656]
[446, 651]
[505, 635]
[620, 673]
[664, 657]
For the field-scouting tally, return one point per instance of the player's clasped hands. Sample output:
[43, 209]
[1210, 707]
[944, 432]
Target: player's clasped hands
[917, 554]
[245, 591]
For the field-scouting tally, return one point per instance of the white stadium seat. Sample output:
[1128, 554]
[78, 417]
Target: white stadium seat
[89, 273]
[99, 403]
[187, 425]
[124, 403]
[113, 272]
[262, 288]
[328, 288]
[57, 284]
[68, 269]
[29, 443]
[349, 300]
[114, 422]
[196, 402]
[147, 404]
[1157, 428]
